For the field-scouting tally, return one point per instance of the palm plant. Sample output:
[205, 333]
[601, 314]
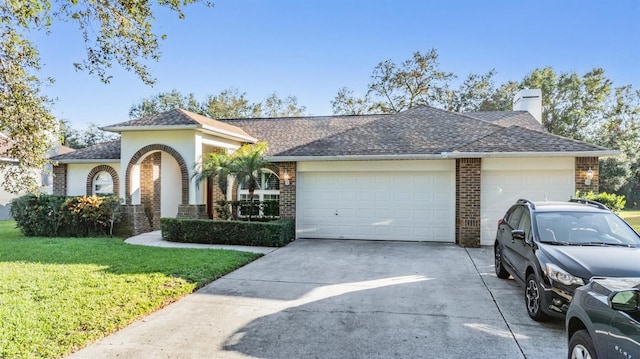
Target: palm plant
[217, 165]
[247, 164]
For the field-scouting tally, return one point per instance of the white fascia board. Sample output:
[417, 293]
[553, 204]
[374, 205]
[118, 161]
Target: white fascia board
[604, 153]
[220, 144]
[444, 155]
[228, 134]
[352, 158]
[149, 128]
[203, 128]
[110, 160]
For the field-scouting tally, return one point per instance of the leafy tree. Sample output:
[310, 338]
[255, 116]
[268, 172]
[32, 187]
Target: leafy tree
[86, 138]
[414, 82]
[165, 101]
[571, 104]
[114, 32]
[228, 104]
[471, 94]
[274, 106]
[620, 129]
[502, 97]
[346, 103]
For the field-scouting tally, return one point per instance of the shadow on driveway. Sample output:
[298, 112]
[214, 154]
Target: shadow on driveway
[347, 299]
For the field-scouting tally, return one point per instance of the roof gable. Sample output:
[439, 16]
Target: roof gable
[178, 118]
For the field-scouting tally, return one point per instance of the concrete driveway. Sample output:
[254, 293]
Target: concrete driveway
[347, 299]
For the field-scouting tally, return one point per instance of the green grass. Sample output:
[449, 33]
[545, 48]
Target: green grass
[632, 217]
[59, 294]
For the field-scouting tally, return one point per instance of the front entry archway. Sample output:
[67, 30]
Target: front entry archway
[156, 184]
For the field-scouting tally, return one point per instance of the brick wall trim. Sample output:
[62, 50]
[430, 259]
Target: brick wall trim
[110, 170]
[184, 171]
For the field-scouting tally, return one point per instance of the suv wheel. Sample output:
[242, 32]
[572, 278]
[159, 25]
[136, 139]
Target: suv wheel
[500, 271]
[533, 298]
[581, 346]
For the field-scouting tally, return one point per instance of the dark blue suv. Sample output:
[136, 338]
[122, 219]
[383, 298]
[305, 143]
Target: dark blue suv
[603, 320]
[552, 248]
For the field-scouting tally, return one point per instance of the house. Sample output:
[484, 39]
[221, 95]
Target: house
[45, 176]
[423, 174]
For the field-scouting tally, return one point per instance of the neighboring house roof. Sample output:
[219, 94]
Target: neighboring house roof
[423, 132]
[62, 149]
[102, 152]
[180, 119]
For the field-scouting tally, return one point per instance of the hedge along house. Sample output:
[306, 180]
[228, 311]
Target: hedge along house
[420, 175]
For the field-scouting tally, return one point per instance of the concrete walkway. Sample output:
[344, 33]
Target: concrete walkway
[347, 299]
[154, 239]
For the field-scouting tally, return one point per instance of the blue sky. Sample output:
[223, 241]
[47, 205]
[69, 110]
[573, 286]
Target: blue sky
[310, 49]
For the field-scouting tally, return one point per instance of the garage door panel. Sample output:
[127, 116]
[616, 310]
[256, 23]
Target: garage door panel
[377, 205]
[501, 189]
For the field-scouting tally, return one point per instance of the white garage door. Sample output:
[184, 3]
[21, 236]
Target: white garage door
[406, 206]
[502, 188]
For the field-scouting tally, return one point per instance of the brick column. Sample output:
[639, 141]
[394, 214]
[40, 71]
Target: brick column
[288, 192]
[150, 188]
[133, 221]
[583, 164]
[60, 179]
[468, 177]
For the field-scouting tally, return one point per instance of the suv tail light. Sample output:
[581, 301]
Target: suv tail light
[500, 221]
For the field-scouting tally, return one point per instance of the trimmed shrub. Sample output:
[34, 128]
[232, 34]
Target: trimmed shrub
[614, 202]
[61, 216]
[269, 234]
[38, 216]
[251, 210]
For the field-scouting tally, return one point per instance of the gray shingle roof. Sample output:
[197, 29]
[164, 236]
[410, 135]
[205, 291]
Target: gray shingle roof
[102, 151]
[176, 117]
[509, 118]
[419, 131]
[520, 139]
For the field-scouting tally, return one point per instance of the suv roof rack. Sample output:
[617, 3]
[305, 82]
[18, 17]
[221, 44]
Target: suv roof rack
[524, 200]
[589, 202]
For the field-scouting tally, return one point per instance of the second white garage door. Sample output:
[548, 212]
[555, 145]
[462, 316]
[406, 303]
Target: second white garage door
[407, 206]
[535, 179]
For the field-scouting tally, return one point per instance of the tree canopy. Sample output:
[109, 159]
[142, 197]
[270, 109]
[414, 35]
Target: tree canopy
[228, 104]
[114, 32]
[416, 81]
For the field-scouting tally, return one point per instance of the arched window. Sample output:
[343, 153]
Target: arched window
[102, 183]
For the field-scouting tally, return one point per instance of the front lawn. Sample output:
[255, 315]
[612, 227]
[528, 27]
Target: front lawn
[632, 217]
[59, 294]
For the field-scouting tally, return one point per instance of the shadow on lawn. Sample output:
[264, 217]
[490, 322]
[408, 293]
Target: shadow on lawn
[114, 256]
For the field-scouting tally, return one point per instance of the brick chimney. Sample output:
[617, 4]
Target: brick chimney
[529, 100]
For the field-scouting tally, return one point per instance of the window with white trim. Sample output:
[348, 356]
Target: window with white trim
[268, 189]
[102, 183]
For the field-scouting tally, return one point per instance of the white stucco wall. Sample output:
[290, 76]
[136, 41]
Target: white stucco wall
[77, 176]
[171, 186]
[188, 143]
